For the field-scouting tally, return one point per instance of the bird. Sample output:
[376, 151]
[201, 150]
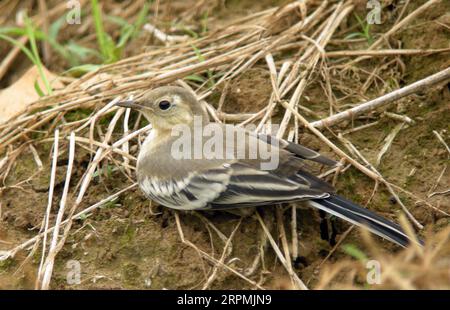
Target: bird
[228, 181]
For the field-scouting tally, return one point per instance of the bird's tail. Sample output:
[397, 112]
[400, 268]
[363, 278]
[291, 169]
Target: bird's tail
[357, 215]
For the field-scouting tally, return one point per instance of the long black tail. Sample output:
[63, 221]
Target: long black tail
[357, 215]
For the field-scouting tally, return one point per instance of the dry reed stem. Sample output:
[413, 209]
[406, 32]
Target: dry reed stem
[296, 280]
[331, 25]
[431, 191]
[46, 221]
[284, 242]
[398, 117]
[163, 37]
[388, 142]
[225, 253]
[209, 257]
[36, 157]
[383, 100]
[422, 200]
[47, 269]
[126, 146]
[439, 137]
[386, 52]
[294, 232]
[106, 146]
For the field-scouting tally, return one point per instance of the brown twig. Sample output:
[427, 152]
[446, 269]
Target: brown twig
[383, 100]
[385, 52]
[297, 281]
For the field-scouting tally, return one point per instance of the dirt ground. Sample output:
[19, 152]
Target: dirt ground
[132, 244]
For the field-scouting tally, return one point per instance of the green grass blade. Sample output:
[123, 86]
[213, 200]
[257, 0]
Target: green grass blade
[13, 31]
[129, 31]
[31, 37]
[81, 52]
[98, 22]
[204, 23]
[119, 21]
[352, 250]
[188, 31]
[125, 34]
[22, 47]
[201, 58]
[105, 42]
[38, 89]
[55, 27]
[354, 35]
[141, 19]
[82, 69]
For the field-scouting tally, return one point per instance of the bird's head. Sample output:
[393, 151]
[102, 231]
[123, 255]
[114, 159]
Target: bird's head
[168, 106]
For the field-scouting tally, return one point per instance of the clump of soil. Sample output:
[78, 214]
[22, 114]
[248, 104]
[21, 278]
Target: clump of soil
[249, 93]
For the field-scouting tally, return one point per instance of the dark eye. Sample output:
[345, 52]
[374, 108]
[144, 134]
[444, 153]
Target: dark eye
[164, 104]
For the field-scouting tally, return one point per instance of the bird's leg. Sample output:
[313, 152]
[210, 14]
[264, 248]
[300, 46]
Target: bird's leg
[334, 232]
[324, 232]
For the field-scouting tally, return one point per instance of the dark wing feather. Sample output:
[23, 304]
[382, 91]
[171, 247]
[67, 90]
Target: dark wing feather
[357, 215]
[249, 186]
[232, 185]
[299, 150]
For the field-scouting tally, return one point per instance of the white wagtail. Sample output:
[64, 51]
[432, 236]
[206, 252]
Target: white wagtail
[226, 182]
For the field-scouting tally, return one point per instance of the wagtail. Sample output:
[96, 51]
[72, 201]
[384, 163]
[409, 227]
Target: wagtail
[235, 177]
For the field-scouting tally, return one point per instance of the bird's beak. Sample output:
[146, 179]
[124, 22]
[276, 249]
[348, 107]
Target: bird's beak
[130, 104]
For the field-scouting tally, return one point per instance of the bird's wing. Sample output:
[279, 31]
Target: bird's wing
[223, 183]
[249, 186]
[193, 191]
[299, 150]
[231, 185]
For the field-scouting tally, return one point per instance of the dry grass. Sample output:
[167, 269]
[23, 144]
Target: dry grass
[290, 43]
[412, 268]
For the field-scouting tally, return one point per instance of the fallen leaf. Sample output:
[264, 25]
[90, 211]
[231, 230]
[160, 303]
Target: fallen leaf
[17, 97]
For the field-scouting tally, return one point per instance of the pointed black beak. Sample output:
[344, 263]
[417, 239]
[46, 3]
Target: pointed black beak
[130, 104]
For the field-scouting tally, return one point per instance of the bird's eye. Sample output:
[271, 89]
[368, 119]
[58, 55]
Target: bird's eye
[164, 104]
